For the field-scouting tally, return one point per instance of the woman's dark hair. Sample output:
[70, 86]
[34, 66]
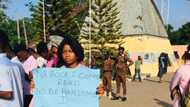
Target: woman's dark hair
[42, 47]
[121, 48]
[4, 41]
[19, 47]
[107, 55]
[176, 54]
[31, 51]
[187, 55]
[188, 47]
[75, 46]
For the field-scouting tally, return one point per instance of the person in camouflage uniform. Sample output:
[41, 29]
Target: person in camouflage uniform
[107, 75]
[121, 68]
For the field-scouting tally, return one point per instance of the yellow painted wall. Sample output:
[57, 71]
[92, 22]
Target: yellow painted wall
[149, 44]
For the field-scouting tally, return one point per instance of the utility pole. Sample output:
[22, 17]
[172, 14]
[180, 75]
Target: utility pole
[90, 25]
[18, 31]
[25, 35]
[44, 22]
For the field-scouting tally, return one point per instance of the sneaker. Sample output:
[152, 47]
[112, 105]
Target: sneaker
[107, 94]
[123, 98]
[133, 80]
[115, 98]
[160, 81]
[110, 95]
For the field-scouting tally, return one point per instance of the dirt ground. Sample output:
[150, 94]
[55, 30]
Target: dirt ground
[149, 93]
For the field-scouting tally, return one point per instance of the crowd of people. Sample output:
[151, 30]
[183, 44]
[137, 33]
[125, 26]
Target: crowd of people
[18, 62]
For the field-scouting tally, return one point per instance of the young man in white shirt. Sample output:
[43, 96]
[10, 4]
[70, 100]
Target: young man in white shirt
[29, 63]
[11, 89]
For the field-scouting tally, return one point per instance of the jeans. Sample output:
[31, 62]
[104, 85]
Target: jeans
[137, 73]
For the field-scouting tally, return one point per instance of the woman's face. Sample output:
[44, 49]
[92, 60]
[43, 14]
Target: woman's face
[69, 56]
[22, 55]
[54, 49]
[121, 52]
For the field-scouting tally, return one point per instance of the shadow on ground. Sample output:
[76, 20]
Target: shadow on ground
[152, 80]
[162, 103]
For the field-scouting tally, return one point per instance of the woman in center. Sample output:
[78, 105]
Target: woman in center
[80, 83]
[70, 54]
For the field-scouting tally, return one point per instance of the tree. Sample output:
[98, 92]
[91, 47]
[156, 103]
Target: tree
[30, 29]
[37, 16]
[60, 15]
[6, 24]
[10, 26]
[169, 29]
[105, 26]
[3, 4]
[180, 36]
[170, 32]
[184, 32]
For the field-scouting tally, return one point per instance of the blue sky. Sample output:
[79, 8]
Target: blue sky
[17, 9]
[179, 11]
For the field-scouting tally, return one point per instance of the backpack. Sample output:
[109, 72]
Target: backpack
[186, 98]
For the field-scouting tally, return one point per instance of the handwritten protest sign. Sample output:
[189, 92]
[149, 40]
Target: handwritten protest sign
[64, 87]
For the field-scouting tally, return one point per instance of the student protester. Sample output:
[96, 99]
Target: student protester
[11, 89]
[43, 53]
[70, 54]
[180, 81]
[32, 52]
[29, 63]
[183, 56]
[53, 58]
[188, 47]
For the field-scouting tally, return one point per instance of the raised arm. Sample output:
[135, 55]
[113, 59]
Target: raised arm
[127, 59]
[175, 80]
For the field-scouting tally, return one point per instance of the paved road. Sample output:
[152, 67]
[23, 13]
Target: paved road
[149, 93]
